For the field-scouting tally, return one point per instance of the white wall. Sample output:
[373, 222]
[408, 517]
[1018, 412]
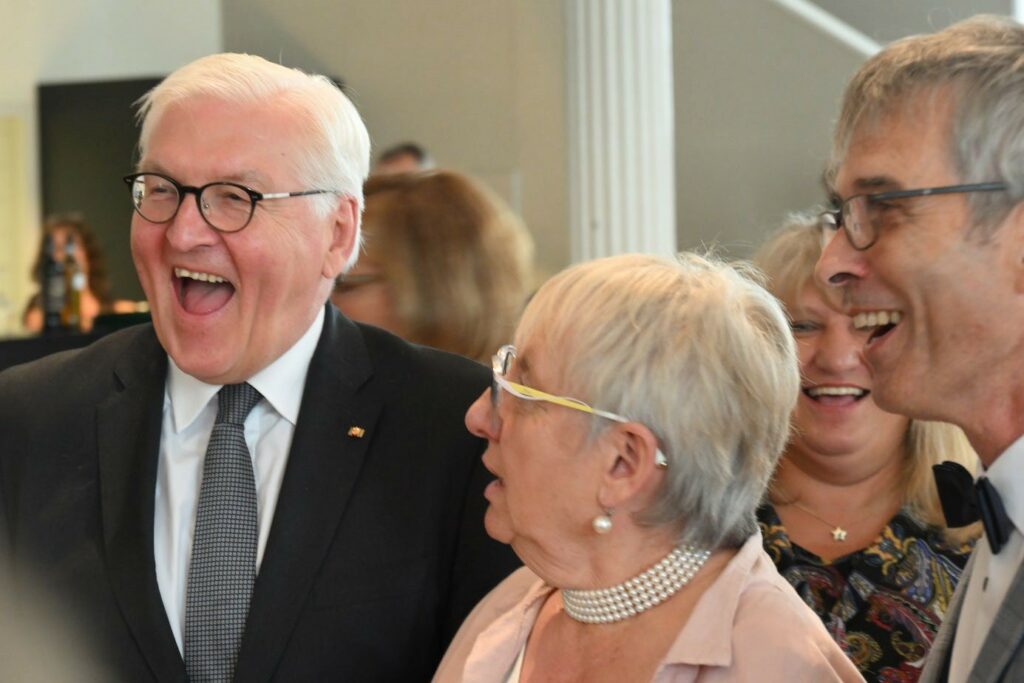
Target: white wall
[59, 41]
[480, 83]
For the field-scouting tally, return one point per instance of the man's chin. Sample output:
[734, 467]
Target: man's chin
[895, 394]
[195, 360]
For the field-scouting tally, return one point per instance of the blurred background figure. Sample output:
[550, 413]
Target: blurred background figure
[633, 428]
[852, 519]
[406, 157]
[71, 238]
[446, 263]
[38, 643]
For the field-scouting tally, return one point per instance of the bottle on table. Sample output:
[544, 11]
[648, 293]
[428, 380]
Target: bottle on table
[52, 288]
[74, 283]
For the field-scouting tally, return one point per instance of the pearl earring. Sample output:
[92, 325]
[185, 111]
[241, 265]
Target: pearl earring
[603, 523]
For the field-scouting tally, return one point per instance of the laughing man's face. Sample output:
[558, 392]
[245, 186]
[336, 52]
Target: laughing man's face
[226, 305]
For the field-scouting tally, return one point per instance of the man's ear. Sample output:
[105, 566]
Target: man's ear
[344, 226]
[632, 470]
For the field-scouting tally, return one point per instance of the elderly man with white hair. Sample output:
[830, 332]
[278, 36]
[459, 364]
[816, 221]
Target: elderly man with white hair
[253, 487]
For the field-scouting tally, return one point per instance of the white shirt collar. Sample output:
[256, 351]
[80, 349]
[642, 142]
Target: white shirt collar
[281, 383]
[1007, 476]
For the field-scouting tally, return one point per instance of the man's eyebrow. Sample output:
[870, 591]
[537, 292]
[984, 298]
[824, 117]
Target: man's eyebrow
[880, 182]
[867, 185]
[249, 177]
[246, 178]
[147, 166]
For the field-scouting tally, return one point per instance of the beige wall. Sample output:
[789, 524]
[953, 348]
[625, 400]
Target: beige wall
[480, 83]
[58, 41]
[885, 20]
[756, 90]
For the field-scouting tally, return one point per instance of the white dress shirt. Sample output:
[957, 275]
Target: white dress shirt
[991, 574]
[190, 409]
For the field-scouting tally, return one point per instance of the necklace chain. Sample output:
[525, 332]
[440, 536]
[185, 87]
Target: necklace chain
[838, 532]
[636, 595]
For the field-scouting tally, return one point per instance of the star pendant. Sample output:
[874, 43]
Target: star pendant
[839, 534]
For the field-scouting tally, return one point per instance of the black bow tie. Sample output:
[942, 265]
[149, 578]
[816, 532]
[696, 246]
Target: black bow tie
[965, 501]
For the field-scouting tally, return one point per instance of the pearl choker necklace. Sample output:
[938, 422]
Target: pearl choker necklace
[642, 592]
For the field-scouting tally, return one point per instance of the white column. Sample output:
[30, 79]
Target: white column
[621, 137]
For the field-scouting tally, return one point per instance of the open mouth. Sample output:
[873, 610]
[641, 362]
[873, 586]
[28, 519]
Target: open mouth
[831, 395]
[880, 323]
[202, 293]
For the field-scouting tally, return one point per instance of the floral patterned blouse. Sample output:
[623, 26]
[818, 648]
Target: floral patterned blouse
[882, 604]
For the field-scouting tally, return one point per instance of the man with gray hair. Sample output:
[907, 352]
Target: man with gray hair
[253, 487]
[928, 176]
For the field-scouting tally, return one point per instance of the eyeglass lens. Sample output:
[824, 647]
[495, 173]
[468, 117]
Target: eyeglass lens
[225, 206]
[501, 363]
[858, 221]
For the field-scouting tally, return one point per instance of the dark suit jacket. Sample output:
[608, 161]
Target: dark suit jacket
[377, 549]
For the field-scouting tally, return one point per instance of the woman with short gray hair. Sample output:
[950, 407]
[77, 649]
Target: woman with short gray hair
[633, 427]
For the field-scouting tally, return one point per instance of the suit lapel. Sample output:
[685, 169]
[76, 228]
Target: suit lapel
[1005, 636]
[937, 663]
[323, 465]
[128, 442]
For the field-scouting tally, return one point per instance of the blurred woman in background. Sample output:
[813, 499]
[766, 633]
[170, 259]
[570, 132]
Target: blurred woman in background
[87, 254]
[852, 518]
[446, 263]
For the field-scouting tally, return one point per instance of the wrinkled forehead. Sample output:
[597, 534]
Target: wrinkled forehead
[917, 118]
[255, 144]
[903, 146]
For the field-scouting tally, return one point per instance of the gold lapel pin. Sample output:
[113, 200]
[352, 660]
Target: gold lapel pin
[356, 432]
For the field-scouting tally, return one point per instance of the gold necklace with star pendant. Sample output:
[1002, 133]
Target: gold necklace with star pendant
[838, 532]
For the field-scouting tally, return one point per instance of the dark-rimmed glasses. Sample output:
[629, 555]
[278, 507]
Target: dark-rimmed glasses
[863, 216]
[227, 207]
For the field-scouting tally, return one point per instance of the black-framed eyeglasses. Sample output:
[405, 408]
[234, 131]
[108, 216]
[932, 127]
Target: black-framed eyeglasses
[863, 216]
[227, 207]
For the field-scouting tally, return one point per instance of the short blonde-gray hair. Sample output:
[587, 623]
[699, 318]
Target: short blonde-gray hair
[698, 352]
[787, 260]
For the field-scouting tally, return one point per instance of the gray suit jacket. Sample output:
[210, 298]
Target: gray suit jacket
[1001, 657]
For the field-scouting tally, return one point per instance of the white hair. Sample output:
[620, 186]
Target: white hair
[337, 152]
[698, 352]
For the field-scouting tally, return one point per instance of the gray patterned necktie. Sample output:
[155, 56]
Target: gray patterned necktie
[223, 569]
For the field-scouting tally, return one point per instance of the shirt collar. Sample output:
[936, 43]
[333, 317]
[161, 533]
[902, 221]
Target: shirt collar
[1007, 476]
[706, 639]
[493, 649]
[281, 383]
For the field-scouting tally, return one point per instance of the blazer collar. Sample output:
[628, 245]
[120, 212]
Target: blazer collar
[1005, 637]
[128, 443]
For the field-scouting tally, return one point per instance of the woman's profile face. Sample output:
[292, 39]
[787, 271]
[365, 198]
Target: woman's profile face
[835, 414]
[546, 486]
